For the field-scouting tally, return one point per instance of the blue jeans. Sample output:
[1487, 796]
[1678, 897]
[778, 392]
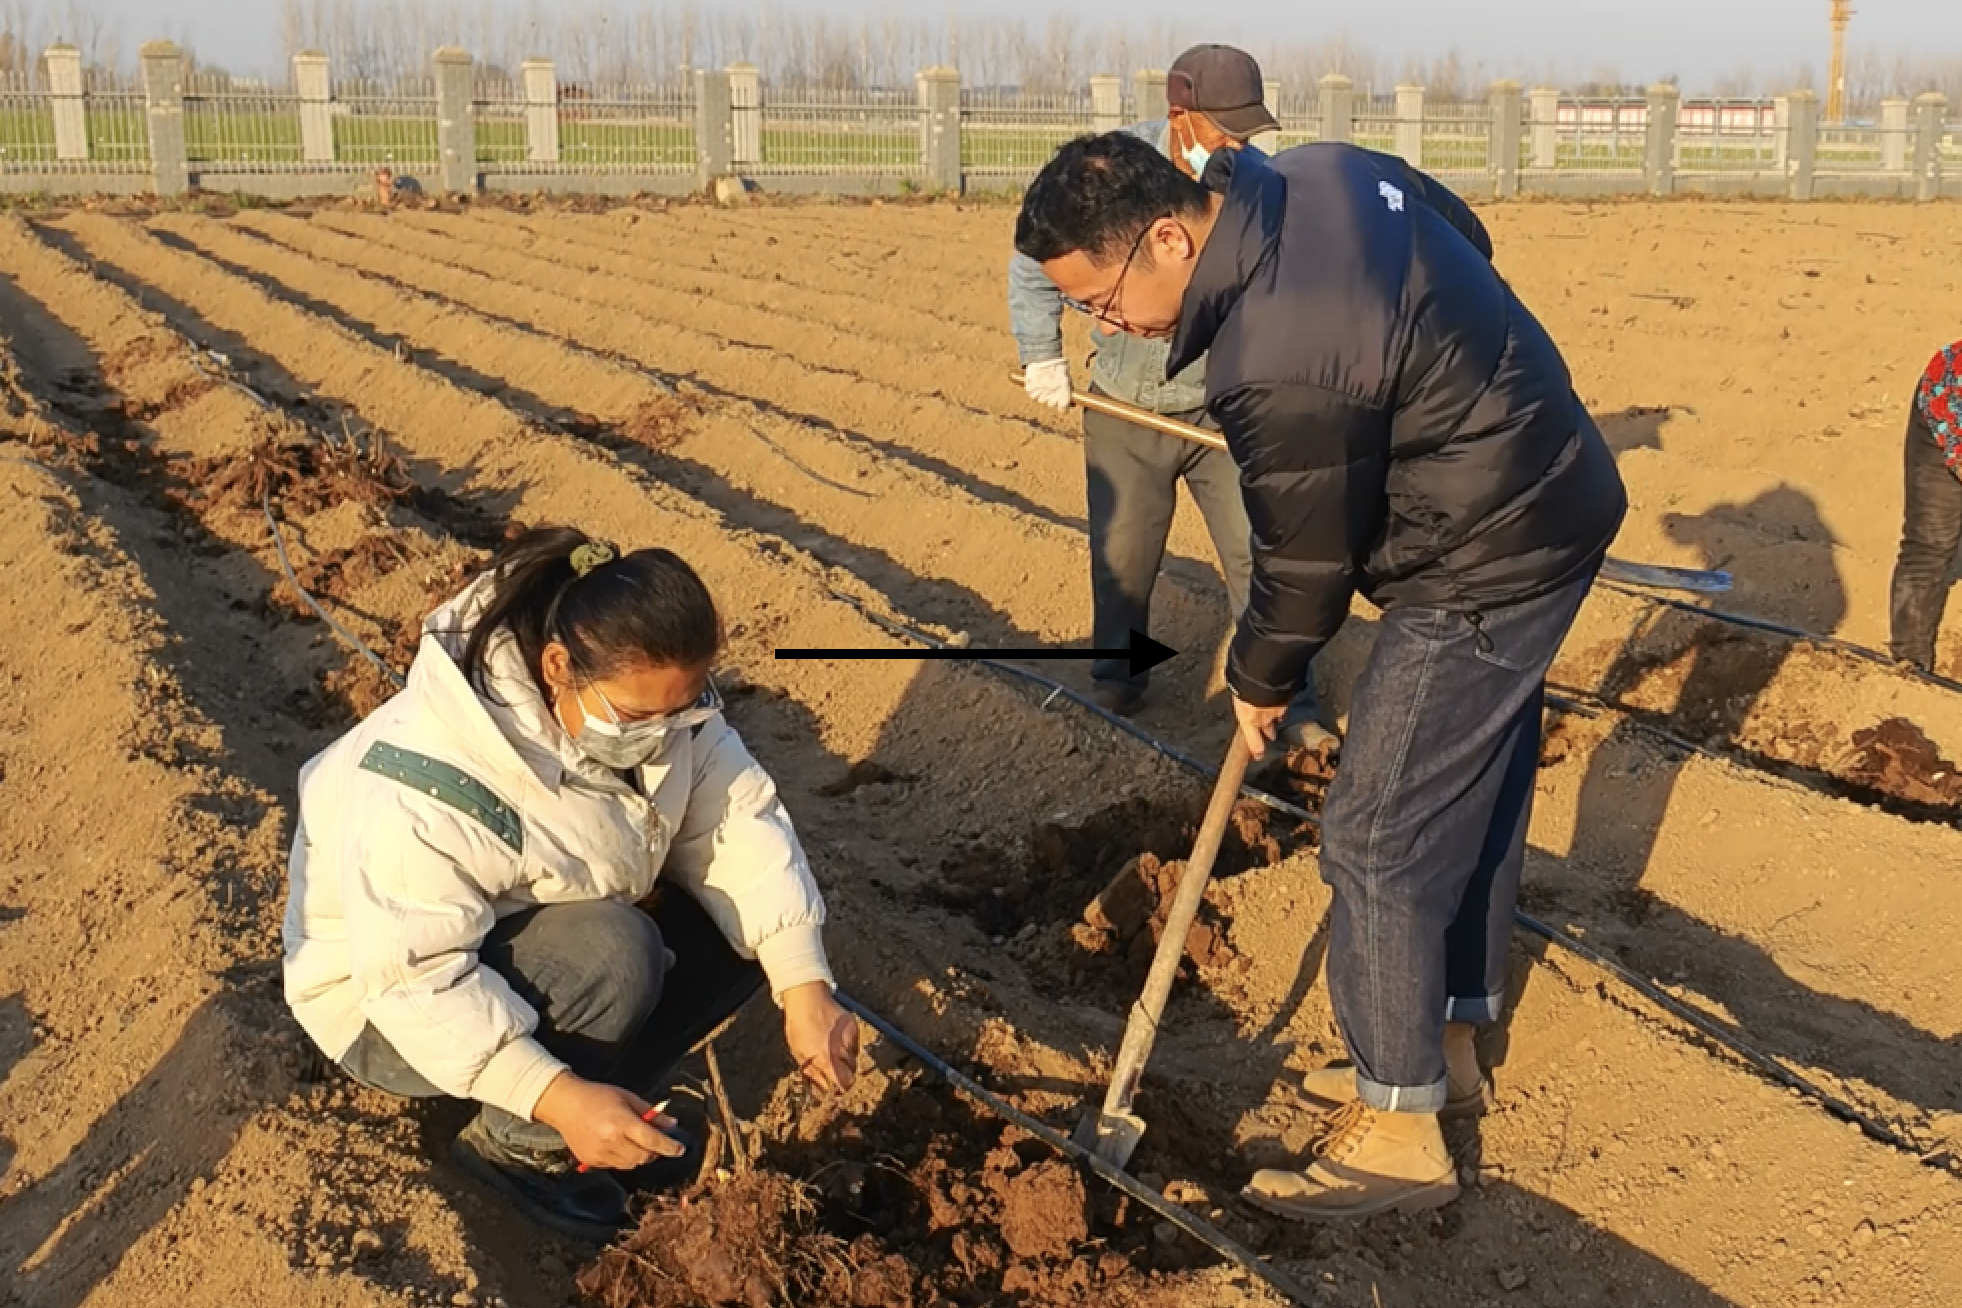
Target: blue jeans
[1133, 475]
[1424, 833]
[608, 1003]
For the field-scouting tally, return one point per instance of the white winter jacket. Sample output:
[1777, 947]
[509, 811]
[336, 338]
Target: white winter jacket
[447, 810]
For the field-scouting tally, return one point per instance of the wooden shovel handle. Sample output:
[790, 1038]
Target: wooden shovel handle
[1141, 1030]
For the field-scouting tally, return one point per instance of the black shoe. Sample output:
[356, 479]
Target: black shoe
[546, 1187]
[665, 1175]
[1117, 697]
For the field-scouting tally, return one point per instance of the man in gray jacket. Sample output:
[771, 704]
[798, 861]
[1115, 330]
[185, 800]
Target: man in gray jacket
[1214, 97]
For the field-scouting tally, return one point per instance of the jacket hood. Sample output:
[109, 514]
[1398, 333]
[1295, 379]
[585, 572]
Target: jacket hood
[1243, 238]
[505, 716]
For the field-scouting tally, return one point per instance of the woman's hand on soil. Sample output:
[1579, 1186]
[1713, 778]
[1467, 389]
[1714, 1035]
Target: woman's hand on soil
[603, 1124]
[823, 1037]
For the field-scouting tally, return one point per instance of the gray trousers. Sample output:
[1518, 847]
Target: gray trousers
[608, 1003]
[1133, 479]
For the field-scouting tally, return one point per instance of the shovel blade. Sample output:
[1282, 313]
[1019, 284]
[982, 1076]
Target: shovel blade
[1113, 1137]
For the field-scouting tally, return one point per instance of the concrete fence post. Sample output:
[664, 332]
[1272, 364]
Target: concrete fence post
[541, 79]
[1659, 151]
[163, 98]
[745, 115]
[1270, 96]
[1802, 148]
[1338, 106]
[1410, 125]
[1781, 131]
[456, 121]
[1930, 118]
[715, 127]
[1508, 132]
[1546, 128]
[1894, 135]
[315, 90]
[940, 128]
[1148, 95]
[71, 121]
[1106, 103]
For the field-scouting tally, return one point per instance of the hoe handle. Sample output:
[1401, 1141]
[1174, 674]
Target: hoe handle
[1141, 1031]
[1104, 404]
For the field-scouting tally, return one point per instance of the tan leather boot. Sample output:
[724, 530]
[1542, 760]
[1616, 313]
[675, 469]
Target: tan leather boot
[1468, 1091]
[1367, 1162]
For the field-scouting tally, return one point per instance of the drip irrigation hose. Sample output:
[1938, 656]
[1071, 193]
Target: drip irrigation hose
[1116, 1176]
[1790, 633]
[345, 636]
[1648, 989]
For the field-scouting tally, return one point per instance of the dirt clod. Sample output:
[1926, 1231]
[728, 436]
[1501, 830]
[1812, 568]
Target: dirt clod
[1042, 1210]
[1896, 757]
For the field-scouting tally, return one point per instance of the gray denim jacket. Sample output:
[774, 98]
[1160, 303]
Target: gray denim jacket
[1126, 368]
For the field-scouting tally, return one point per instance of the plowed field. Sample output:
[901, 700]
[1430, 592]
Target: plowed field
[811, 404]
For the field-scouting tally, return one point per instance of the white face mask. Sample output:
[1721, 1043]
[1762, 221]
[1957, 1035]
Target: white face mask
[612, 743]
[625, 746]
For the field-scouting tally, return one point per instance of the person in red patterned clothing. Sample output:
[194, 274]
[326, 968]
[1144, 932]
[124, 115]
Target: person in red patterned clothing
[1931, 529]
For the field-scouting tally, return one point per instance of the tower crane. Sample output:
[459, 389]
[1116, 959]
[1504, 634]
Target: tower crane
[1836, 73]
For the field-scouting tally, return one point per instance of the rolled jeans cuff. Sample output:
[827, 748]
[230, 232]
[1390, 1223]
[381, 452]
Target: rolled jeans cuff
[1403, 1098]
[1475, 1010]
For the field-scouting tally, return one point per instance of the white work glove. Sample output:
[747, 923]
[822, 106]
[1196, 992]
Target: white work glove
[1048, 382]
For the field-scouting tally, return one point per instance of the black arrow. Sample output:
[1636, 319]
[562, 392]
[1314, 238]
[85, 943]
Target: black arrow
[1143, 654]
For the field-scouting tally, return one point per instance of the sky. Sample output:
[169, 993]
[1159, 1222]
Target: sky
[1699, 40]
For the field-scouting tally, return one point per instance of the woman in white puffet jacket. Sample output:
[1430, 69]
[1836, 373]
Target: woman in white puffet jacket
[545, 870]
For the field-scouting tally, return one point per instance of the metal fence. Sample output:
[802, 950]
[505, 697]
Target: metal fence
[232, 126]
[61, 119]
[1457, 139]
[392, 124]
[601, 129]
[106, 127]
[1007, 134]
[855, 132]
[1590, 139]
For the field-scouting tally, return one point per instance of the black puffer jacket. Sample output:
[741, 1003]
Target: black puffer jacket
[1403, 426]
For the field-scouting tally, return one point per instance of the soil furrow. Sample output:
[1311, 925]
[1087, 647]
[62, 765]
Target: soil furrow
[765, 285]
[974, 568]
[1034, 477]
[972, 385]
[876, 390]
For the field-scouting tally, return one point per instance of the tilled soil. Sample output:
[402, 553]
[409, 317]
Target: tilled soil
[810, 403]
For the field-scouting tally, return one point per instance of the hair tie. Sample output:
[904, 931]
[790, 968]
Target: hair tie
[593, 554]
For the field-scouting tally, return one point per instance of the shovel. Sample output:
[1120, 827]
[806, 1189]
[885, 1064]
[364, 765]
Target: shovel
[1113, 1133]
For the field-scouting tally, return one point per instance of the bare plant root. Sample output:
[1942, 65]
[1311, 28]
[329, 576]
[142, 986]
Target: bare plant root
[661, 423]
[302, 475]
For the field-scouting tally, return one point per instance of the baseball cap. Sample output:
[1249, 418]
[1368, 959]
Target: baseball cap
[1225, 85]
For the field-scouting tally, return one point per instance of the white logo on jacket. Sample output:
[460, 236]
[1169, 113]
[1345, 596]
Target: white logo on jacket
[1391, 196]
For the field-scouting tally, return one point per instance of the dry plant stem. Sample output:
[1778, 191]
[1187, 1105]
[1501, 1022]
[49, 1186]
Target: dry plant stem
[737, 1144]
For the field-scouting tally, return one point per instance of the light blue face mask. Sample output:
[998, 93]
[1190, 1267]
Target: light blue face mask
[1196, 158]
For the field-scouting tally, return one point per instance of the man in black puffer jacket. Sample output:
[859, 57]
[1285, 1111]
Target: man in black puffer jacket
[1405, 430]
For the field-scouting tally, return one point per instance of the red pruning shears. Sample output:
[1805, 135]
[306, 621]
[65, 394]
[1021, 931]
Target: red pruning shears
[647, 1116]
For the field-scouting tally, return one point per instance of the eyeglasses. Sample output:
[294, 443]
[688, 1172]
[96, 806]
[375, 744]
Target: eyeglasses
[706, 706]
[1104, 312]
